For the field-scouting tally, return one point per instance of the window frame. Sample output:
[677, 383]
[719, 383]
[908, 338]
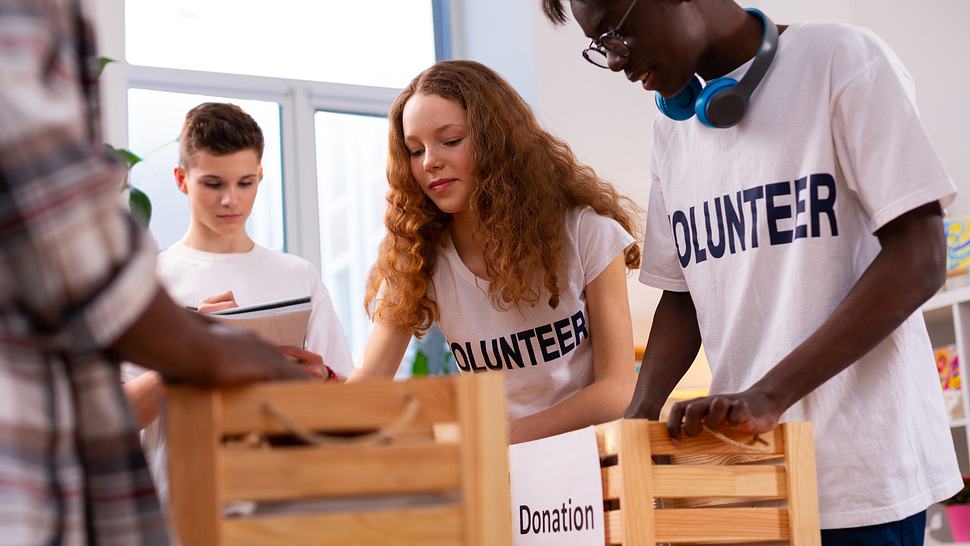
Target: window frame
[299, 101]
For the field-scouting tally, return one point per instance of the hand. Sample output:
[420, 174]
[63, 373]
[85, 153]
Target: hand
[187, 347]
[751, 412]
[312, 363]
[236, 357]
[219, 302]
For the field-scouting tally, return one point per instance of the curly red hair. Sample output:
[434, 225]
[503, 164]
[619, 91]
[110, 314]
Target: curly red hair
[527, 181]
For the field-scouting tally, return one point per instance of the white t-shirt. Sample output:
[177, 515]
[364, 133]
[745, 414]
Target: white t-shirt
[258, 276]
[770, 223]
[545, 353]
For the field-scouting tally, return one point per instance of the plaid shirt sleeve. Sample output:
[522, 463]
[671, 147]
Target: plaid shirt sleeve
[74, 274]
[71, 261]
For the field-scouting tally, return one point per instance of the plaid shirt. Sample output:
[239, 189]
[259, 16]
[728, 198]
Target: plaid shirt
[74, 274]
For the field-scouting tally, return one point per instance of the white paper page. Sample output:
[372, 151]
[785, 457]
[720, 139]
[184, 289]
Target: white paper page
[557, 491]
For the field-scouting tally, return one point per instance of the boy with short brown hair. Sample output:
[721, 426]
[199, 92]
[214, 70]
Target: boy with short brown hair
[217, 265]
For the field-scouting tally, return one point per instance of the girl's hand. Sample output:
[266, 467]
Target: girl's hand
[219, 302]
[312, 363]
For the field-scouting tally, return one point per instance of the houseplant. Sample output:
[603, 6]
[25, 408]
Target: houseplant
[139, 204]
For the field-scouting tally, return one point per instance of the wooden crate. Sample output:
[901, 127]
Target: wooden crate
[708, 499]
[468, 470]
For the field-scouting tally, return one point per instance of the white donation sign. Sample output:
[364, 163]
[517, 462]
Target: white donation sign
[557, 491]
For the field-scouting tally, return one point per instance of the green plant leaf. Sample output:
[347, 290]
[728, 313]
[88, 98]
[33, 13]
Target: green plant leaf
[140, 207]
[126, 156]
[419, 368]
[103, 62]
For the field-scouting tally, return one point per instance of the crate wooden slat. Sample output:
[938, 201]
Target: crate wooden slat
[197, 416]
[802, 485]
[363, 406]
[684, 481]
[486, 491]
[726, 524]
[632, 481]
[634, 453]
[439, 526]
[278, 474]
[703, 444]
[454, 454]
[708, 525]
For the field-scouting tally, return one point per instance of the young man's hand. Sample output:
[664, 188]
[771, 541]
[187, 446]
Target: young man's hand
[241, 357]
[219, 302]
[187, 347]
[751, 412]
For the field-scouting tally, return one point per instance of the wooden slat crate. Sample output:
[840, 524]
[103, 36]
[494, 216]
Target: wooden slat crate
[468, 470]
[701, 502]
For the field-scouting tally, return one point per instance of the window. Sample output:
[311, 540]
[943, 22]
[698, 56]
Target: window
[376, 42]
[154, 121]
[318, 77]
[351, 184]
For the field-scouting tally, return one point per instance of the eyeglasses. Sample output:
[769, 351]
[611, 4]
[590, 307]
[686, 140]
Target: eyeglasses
[609, 42]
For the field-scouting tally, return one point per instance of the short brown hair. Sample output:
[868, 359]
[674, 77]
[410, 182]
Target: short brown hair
[220, 129]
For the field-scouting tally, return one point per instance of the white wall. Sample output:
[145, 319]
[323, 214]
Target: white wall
[607, 120]
[499, 34]
[930, 38]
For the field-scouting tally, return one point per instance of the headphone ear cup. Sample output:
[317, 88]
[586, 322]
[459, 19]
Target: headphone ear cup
[708, 96]
[680, 107]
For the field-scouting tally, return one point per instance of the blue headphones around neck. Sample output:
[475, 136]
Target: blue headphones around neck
[723, 102]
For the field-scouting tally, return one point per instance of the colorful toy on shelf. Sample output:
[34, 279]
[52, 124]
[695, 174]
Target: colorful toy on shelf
[957, 244]
[948, 366]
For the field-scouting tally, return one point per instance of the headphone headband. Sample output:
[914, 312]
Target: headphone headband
[762, 59]
[723, 102]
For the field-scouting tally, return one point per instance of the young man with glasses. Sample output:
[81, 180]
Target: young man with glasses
[797, 242]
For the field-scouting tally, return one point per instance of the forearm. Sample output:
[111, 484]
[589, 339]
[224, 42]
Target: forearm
[600, 402]
[671, 349]
[176, 353]
[144, 395]
[908, 270]
[383, 353]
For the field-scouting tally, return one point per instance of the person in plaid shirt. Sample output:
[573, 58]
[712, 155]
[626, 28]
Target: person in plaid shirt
[77, 295]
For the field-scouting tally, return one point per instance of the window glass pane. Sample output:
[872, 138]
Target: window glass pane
[365, 42]
[154, 121]
[351, 185]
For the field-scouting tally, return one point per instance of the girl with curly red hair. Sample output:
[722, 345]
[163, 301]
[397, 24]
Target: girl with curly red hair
[516, 250]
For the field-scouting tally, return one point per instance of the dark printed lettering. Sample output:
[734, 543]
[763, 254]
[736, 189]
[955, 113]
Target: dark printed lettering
[752, 195]
[526, 336]
[776, 212]
[735, 223]
[716, 250]
[700, 254]
[680, 219]
[579, 326]
[822, 205]
[511, 352]
[563, 335]
[463, 361]
[801, 230]
[544, 343]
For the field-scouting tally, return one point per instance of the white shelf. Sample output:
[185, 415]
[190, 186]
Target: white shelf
[959, 423]
[947, 298]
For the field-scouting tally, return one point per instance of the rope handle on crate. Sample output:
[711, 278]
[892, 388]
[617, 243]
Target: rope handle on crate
[379, 436]
[765, 447]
